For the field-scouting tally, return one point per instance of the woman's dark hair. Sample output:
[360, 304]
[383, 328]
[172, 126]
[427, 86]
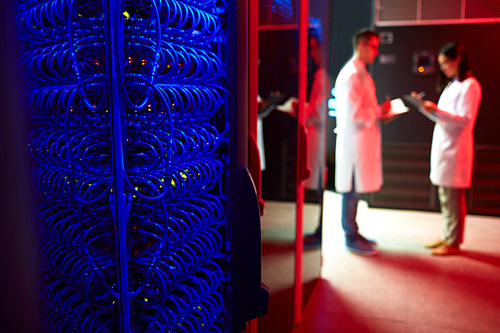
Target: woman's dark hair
[452, 50]
[316, 34]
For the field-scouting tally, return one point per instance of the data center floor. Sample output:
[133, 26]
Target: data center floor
[404, 288]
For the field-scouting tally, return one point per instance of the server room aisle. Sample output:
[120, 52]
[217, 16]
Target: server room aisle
[404, 288]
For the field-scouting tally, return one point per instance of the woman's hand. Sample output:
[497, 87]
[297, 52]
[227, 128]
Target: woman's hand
[416, 95]
[429, 106]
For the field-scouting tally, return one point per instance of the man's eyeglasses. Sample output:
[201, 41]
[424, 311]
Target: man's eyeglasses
[373, 47]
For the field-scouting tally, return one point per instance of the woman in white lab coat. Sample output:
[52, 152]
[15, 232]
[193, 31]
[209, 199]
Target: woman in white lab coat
[452, 148]
[316, 112]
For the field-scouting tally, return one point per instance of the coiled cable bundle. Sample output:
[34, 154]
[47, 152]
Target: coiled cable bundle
[169, 75]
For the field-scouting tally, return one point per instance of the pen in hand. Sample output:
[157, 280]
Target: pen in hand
[418, 96]
[427, 106]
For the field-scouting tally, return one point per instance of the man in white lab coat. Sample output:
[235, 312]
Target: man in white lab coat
[358, 159]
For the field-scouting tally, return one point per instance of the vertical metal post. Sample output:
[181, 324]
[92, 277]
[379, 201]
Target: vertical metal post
[253, 67]
[299, 227]
[237, 115]
[253, 92]
[118, 199]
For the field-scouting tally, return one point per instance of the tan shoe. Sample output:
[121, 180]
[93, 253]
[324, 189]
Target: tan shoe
[434, 243]
[446, 249]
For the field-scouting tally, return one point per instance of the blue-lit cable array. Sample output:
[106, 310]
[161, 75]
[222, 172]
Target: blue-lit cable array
[169, 75]
[283, 7]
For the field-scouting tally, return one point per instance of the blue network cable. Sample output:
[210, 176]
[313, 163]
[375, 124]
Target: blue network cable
[168, 69]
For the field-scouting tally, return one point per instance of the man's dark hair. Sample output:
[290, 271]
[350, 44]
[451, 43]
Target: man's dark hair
[452, 50]
[363, 36]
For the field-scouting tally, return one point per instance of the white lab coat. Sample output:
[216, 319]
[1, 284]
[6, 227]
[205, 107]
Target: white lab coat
[358, 147]
[315, 123]
[452, 151]
[260, 139]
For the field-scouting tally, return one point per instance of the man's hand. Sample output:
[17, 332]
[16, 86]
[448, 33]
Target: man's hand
[386, 106]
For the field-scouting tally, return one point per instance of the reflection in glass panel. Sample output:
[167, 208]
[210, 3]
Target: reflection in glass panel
[278, 82]
[278, 12]
[278, 73]
[316, 122]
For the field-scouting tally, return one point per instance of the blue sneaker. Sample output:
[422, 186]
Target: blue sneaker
[360, 247]
[312, 241]
[370, 242]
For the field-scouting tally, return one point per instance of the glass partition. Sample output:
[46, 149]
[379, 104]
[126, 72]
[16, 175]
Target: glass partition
[318, 85]
[278, 75]
[278, 91]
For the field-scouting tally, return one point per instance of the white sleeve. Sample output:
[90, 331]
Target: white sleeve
[466, 106]
[360, 103]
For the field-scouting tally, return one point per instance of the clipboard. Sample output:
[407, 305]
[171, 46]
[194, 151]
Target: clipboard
[272, 102]
[413, 101]
[397, 108]
[287, 106]
[417, 104]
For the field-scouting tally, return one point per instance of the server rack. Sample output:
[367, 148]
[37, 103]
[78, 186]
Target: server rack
[148, 218]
